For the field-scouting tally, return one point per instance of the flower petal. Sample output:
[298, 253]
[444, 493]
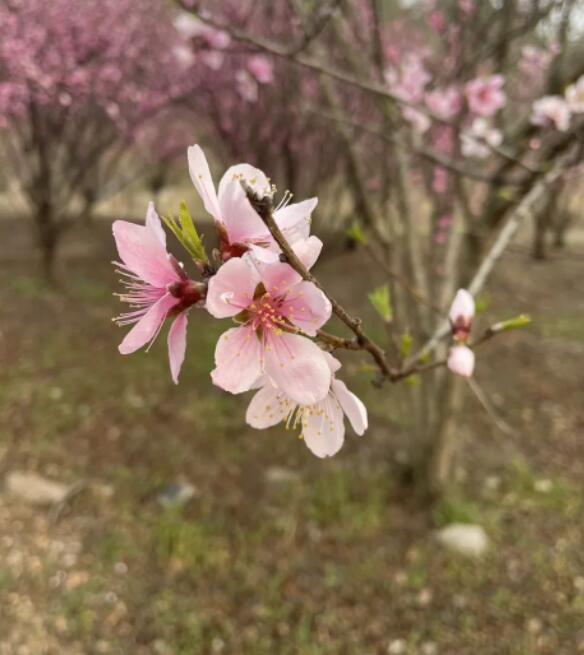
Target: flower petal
[294, 220]
[308, 250]
[461, 360]
[268, 407]
[297, 366]
[154, 225]
[143, 254]
[238, 360]
[242, 222]
[201, 177]
[324, 428]
[253, 177]
[148, 326]
[463, 306]
[231, 289]
[177, 344]
[307, 307]
[354, 409]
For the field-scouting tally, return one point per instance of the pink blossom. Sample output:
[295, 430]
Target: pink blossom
[436, 21]
[575, 96]
[410, 81]
[440, 180]
[485, 95]
[461, 361]
[275, 309]
[322, 423]
[551, 110]
[240, 227]
[417, 119]
[476, 141]
[247, 86]
[445, 103]
[261, 68]
[157, 288]
[461, 314]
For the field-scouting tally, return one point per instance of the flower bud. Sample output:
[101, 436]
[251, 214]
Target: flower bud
[461, 361]
[461, 313]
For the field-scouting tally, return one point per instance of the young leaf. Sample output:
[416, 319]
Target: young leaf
[186, 233]
[405, 346]
[381, 301]
[355, 234]
[515, 323]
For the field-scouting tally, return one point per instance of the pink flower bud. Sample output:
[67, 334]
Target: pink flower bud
[461, 313]
[461, 361]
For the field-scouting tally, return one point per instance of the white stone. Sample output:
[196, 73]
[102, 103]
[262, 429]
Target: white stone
[466, 539]
[34, 489]
[396, 647]
[279, 475]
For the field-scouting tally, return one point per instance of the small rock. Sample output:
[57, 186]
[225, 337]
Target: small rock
[424, 597]
[466, 539]
[176, 494]
[279, 475]
[534, 626]
[429, 648]
[543, 486]
[396, 647]
[34, 489]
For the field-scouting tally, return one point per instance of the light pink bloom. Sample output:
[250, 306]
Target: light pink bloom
[262, 68]
[274, 307]
[440, 180]
[485, 95]
[445, 103]
[575, 96]
[240, 228]
[461, 360]
[418, 120]
[410, 81]
[157, 288]
[461, 314]
[247, 86]
[322, 423]
[476, 142]
[190, 27]
[551, 110]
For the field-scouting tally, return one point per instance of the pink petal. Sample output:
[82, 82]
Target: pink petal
[323, 428]
[297, 367]
[143, 254]
[238, 360]
[333, 362]
[354, 409]
[463, 306]
[308, 250]
[294, 220]
[154, 225]
[148, 326]
[461, 360]
[307, 307]
[267, 408]
[177, 344]
[254, 177]
[241, 220]
[231, 289]
[201, 177]
[278, 278]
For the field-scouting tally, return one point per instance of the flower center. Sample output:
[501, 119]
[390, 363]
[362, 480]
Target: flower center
[265, 314]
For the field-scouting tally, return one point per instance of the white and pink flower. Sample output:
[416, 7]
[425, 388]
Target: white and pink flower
[461, 359]
[322, 424]
[157, 288]
[575, 96]
[444, 103]
[275, 309]
[485, 95]
[240, 227]
[480, 138]
[551, 111]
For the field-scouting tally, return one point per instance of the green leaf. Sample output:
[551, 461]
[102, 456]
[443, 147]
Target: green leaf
[381, 301]
[355, 233]
[515, 323]
[405, 346]
[186, 233]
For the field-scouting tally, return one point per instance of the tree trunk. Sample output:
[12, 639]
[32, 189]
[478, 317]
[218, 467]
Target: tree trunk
[48, 235]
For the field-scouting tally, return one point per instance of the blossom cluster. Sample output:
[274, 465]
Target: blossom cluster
[556, 110]
[276, 313]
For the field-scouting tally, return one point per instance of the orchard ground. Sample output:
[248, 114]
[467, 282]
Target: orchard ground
[278, 552]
